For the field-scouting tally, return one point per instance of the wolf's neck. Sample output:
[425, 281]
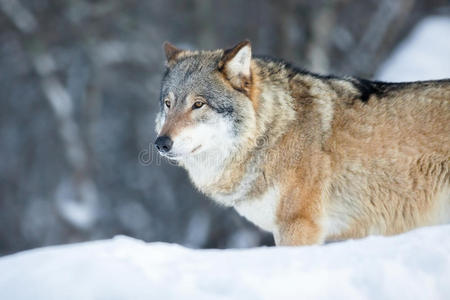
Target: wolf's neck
[205, 167]
[275, 108]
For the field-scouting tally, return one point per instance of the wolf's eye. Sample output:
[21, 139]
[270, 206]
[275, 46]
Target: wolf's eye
[197, 104]
[167, 103]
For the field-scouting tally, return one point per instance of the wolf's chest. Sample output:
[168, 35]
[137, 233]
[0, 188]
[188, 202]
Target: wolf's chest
[261, 210]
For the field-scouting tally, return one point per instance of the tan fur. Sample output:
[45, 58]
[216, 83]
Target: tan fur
[343, 167]
[380, 167]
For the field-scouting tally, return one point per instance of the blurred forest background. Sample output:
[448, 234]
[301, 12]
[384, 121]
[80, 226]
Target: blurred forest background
[79, 86]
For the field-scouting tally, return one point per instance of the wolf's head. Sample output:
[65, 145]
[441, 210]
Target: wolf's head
[205, 101]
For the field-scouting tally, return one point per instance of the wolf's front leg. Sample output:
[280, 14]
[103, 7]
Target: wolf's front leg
[300, 213]
[298, 232]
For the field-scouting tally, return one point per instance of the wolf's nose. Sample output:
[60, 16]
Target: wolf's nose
[163, 144]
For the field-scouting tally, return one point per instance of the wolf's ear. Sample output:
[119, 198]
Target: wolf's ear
[171, 53]
[235, 64]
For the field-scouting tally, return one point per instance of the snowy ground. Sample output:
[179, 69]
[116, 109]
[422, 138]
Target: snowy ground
[415, 265]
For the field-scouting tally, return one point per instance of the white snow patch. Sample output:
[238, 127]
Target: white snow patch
[424, 55]
[415, 265]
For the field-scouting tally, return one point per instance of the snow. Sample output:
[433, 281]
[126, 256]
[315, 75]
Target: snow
[423, 55]
[415, 265]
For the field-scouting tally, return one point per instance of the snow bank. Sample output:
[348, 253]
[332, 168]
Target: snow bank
[424, 55]
[415, 265]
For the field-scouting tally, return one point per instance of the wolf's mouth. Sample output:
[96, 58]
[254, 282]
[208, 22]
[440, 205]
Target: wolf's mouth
[196, 148]
[173, 157]
[179, 157]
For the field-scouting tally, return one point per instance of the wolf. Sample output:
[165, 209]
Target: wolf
[307, 157]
